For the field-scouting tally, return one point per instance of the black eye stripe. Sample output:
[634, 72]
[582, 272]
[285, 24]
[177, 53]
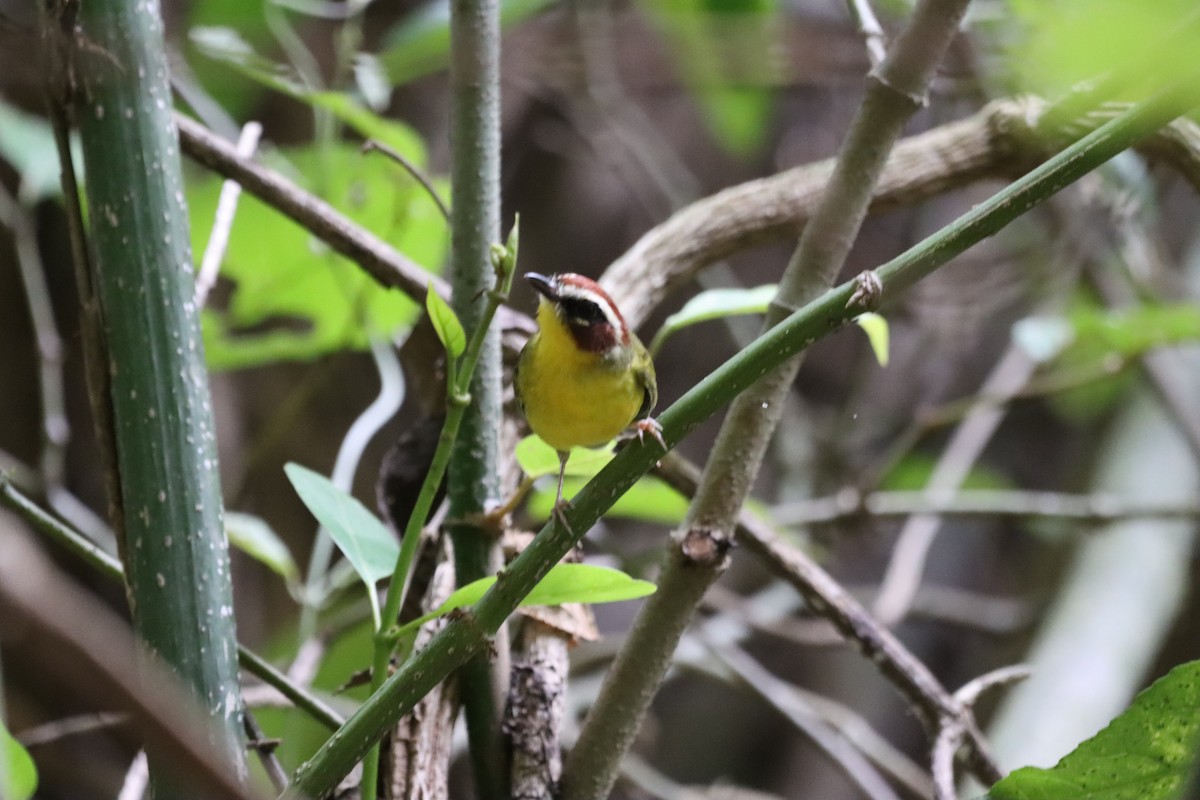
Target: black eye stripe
[577, 309]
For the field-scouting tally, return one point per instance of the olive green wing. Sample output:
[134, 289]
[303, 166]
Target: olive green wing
[643, 373]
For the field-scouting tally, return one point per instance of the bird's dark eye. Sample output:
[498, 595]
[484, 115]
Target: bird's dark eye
[580, 311]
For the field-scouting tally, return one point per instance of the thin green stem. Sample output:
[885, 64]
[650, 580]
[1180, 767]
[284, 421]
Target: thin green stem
[470, 632]
[457, 400]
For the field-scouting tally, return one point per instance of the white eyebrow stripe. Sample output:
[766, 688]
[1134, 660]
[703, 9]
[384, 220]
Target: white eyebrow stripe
[576, 293]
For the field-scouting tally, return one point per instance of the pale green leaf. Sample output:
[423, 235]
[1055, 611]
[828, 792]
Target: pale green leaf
[715, 304]
[18, 774]
[254, 537]
[445, 323]
[564, 583]
[538, 458]
[1147, 753]
[367, 544]
[876, 329]
[649, 500]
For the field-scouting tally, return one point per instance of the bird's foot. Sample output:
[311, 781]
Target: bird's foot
[560, 513]
[650, 427]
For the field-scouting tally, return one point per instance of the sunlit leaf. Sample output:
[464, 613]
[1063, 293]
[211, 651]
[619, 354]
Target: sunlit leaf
[1146, 753]
[564, 583]
[18, 774]
[254, 537]
[876, 329]
[367, 544]
[649, 500]
[538, 458]
[725, 50]
[1069, 41]
[293, 298]
[445, 323]
[715, 304]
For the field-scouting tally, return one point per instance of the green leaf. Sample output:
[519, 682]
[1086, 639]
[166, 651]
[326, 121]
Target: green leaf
[1144, 754]
[724, 49]
[18, 774]
[715, 304]
[293, 298]
[876, 329]
[445, 323]
[538, 458]
[564, 583]
[1068, 41]
[362, 538]
[254, 537]
[649, 500]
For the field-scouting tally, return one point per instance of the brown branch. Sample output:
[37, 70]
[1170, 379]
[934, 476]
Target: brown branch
[954, 731]
[932, 702]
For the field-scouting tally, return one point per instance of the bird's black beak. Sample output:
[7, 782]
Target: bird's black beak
[544, 285]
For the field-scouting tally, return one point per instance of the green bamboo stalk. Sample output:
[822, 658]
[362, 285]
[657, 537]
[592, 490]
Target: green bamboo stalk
[176, 559]
[473, 480]
[470, 632]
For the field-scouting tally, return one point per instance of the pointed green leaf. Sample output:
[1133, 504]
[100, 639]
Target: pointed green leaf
[254, 537]
[18, 775]
[445, 322]
[367, 544]
[564, 583]
[876, 329]
[715, 304]
[1146, 753]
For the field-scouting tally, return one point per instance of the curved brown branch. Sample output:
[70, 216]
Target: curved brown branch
[1003, 141]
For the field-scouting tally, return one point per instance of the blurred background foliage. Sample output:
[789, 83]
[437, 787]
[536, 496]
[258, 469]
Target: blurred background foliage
[615, 114]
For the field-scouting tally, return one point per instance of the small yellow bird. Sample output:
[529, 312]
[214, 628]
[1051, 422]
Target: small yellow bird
[584, 377]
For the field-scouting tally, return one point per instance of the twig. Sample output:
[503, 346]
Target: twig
[218, 239]
[56, 429]
[1092, 508]
[265, 751]
[371, 145]
[830, 600]
[869, 29]
[137, 778]
[907, 563]
[954, 731]
[69, 726]
[845, 754]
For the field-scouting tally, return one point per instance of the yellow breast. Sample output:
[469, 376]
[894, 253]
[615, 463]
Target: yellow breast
[570, 397]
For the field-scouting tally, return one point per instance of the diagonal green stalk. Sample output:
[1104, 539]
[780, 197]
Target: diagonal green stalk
[470, 632]
[458, 399]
